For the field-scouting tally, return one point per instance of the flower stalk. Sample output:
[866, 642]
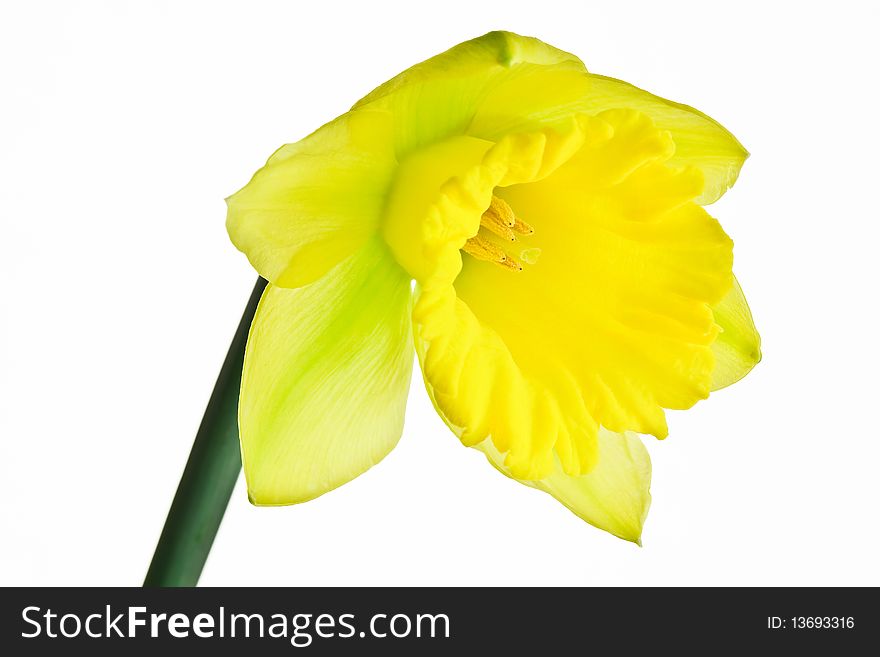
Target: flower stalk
[210, 474]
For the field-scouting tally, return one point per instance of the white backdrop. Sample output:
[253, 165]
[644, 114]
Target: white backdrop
[124, 125]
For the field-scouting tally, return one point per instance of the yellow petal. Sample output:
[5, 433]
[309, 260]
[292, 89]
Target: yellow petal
[325, 379]
[737, 348]
[615, 496]
[611, 326]
[484, 88]
[317, 201]
[700, 141]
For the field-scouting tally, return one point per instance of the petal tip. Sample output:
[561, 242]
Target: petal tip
[252, 498]
[757, 355]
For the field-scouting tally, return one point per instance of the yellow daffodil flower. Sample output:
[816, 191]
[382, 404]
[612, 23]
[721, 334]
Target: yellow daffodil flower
[568, 284]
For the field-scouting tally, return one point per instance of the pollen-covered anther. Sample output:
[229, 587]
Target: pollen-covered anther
[497, 221]
[522, 227]
[482, 249]
[501, 211]
[511, 263]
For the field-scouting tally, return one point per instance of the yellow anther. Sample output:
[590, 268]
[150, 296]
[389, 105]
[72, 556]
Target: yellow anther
[500, 209]
[522, 227]
[511, 263]
[482, 249]
[494, 223]
[499, 221]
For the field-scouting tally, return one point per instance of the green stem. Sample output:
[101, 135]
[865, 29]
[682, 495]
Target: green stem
[209, 476]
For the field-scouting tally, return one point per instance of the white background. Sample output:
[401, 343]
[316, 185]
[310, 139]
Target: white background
[124, 125]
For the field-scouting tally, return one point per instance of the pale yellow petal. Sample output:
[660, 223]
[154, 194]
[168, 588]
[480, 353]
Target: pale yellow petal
[737, 348]
[615, 496]
[325, 379]
[483, 88]
[700, 141]
[317, 201]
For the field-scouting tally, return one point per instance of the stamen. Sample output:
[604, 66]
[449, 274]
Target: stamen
[499, 220]
[522, 227]
[492, 222]
[500, 209]
[511, 263]
[482, 249]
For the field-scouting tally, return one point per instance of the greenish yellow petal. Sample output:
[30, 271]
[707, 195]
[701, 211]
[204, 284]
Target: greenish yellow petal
[484, 88]
[325, 378]
[737, 348]
[473, 57]
[317, 201]
[615, 496]
[700, 141]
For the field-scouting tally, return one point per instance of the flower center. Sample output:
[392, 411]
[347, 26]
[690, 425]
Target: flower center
[499, 228]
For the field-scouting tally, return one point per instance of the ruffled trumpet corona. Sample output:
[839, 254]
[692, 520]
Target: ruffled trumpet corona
[535, 233]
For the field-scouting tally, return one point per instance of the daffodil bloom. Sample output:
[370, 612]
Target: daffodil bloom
[535, 233]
